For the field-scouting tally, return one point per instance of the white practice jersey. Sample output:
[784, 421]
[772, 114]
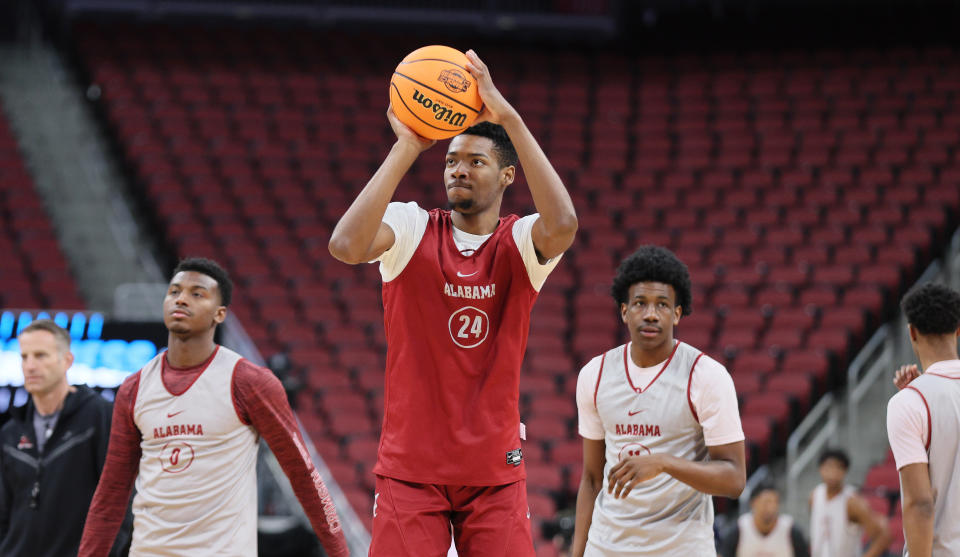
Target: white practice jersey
[831, 532]
[197, 486]
[776, 543]
[942, 397]
[662, 516]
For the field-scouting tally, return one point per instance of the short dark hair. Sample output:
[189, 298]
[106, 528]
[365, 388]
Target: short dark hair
[213, 270]
[653, 264]
[932, 309]
[502, 146]
[49, 325]
[762, 487]
[835, 454]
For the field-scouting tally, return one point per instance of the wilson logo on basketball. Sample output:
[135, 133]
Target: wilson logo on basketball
[440, 112]
[455, 81]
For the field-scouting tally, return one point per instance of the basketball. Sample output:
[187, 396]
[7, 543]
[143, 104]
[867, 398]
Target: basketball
[433, 93]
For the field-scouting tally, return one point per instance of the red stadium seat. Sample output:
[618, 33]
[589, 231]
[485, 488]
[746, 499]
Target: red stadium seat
[883, 478]
[803, 198]
[773, 406]
[798, 387]
[544, 478]
[758, 431]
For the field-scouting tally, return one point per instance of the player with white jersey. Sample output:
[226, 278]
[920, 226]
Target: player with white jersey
[839, 516]
[187, 426]
[923, 424]
[764, 532]
[458, 287]
[660, 426]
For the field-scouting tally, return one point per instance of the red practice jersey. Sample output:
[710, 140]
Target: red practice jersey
[456, 328]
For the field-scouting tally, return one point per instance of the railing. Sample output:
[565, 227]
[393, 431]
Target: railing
[869, 369]
[759, 476]
[236, 338]
[822, 422]
[353, 529]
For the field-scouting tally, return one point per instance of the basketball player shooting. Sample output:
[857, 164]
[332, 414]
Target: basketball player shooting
[660, 426]
[458, 287]
[187, 428]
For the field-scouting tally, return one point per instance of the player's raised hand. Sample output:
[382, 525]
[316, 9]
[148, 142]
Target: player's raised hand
[630, 471]
[905, 374]
[495, 106]
[405, 134]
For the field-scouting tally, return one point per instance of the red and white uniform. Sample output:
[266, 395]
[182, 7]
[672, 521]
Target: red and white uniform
[776, 543]
[832, 534]
[711, 393]
[456, 320]
[190, 438]
[923, 425]
[639, 414]
[456, 313]
[197, 485]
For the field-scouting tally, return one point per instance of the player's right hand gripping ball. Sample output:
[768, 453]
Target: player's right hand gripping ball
[433, 93]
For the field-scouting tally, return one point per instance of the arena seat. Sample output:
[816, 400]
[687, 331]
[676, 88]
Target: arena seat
[35, 273]
[805, 190]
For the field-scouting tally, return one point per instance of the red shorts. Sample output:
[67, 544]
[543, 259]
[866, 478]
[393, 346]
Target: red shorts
[411, 519]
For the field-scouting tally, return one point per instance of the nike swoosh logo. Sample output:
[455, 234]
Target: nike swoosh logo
[634, 413]
[461, 275]
[175, 413]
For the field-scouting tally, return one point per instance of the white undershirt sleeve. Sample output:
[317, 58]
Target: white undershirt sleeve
[523, 237]
[590, 425]
[715, 400]
[408, 222]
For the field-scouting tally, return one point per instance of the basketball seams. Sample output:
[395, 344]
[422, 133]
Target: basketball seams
[441, 93]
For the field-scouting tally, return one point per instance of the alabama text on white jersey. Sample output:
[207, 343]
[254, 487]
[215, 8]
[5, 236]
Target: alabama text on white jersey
[197, 486]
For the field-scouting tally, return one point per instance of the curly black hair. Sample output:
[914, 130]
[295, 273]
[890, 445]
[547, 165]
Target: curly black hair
[835, 454]
[213, 270]
[653, 264]
[502, 146]
[932, 309]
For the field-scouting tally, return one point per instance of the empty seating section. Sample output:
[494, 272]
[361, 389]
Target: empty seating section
[34, 273]
[803, 189]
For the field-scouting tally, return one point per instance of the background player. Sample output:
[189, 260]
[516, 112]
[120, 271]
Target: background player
[764, 532]
[187, 428]
[839, 516]
[923, 424]
[458, 287]
[660, 425]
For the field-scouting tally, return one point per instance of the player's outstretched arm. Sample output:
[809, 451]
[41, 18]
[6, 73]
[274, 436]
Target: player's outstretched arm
[724, 474]
[591, 482]
[917, 494]
[360, 235]
[109, 505]
[262, 402]
[554, 231]
[874, 526]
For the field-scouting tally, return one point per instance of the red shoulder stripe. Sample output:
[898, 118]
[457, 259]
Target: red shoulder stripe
[596, 388]
[690, 382]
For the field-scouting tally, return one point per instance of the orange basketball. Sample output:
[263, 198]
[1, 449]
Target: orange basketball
[433, 93]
